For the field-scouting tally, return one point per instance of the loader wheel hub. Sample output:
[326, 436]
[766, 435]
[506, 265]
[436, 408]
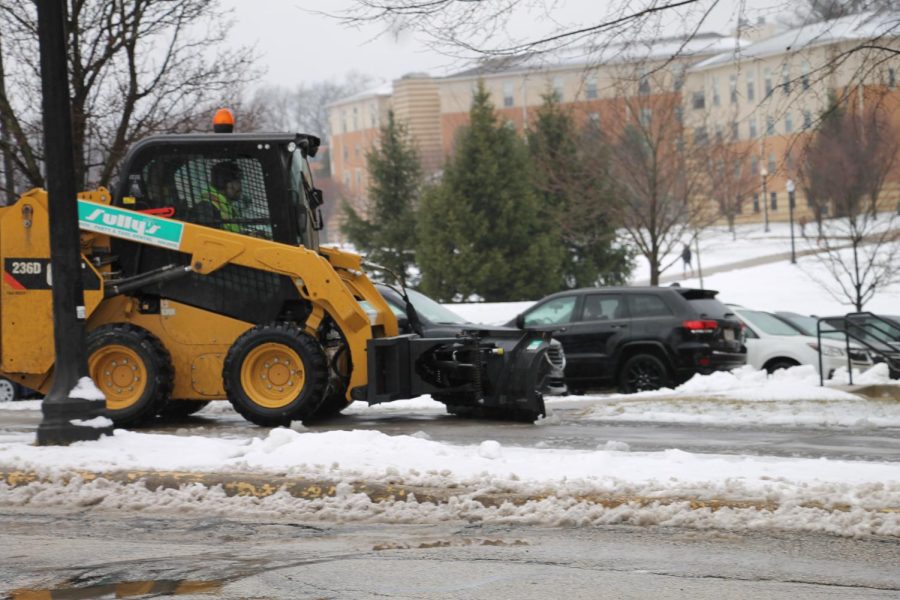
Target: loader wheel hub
[272, 375]
[119, 373]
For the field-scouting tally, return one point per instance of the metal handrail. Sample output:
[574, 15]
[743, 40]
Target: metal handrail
[845, 324]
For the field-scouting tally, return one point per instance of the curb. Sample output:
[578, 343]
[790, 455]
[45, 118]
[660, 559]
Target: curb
[241, 484]
[873, 392]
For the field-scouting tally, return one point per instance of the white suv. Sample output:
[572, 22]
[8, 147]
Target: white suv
[773, 343]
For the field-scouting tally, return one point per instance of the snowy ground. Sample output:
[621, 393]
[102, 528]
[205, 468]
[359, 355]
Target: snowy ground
[845, 497]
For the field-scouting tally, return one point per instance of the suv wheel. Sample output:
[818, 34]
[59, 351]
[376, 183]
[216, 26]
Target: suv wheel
[643, 373]
[9, 391]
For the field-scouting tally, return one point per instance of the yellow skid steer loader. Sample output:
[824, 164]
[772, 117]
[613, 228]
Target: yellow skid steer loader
[204, 280]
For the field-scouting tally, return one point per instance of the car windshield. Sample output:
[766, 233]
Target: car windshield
[808, 326]
[431, 311]
[769, 323]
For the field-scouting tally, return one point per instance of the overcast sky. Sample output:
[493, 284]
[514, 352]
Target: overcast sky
[300, 46]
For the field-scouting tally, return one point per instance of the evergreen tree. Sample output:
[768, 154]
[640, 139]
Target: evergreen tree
[481, 229]
[387, 235]
[572, 176]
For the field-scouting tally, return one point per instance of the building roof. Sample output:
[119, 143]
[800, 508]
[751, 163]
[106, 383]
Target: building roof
[584, 56]
[385, 89]
[861, 26]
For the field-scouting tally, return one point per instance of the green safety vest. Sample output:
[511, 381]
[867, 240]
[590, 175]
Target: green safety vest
[225, 208]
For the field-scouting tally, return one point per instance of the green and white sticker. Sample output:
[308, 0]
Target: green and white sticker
[129, 225]
[535, 344]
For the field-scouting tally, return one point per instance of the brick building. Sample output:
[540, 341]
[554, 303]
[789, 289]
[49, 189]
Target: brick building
[756, 94]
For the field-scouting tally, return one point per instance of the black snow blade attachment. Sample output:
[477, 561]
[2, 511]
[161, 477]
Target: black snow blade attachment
[479, 373]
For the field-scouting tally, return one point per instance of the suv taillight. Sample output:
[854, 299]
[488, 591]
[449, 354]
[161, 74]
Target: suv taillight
[701, 326]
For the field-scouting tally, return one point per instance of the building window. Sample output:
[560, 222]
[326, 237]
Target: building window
[591, 88]
[558, 88]
[719, 136]
[678, 73]
[732, 88]
[700, 136]
[355, 118]
[752, 127]
[767, 81]
[770, 125]
[344, 121]
[751, 88]
[345, 152]
[679, 114]
[698, 100]
[756, 203]
[772, 164]
[646, 116]
[790, 163]
[373, 115]
[807, 119]
[804, 75]
[644, 84]
[594, 118]
[786, 78]
[754, 166]
[509, 91]
[717, 101]
[735, 134]
[774, 204]
[892, 78]
[789, 122]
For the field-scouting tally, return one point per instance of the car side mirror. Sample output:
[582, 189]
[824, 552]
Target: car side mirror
[403, 324]
[520, 321]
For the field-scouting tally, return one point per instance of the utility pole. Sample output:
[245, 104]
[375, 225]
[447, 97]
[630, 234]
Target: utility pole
[790, 190]
[60, 408]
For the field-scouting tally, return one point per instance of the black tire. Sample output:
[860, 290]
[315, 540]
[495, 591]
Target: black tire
[138, 385]
[780, 363]
[643, 373]
[179, 409]
[261, 381]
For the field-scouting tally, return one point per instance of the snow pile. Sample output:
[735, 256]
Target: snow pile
[790, 397]
[824, 495]
[86, 390]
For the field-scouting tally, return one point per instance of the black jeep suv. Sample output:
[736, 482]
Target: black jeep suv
[641, 338]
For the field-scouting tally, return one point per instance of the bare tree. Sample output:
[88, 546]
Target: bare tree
[305, 107]
[844, 170]
[135, 66]
[813, 11]
[658, 173]
[730, 179]
[484, 26]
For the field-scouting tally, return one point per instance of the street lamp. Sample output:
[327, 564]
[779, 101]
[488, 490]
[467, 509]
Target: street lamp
[765, 197]
[790, 190]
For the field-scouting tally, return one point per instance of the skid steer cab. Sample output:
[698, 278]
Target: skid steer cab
[204, 280]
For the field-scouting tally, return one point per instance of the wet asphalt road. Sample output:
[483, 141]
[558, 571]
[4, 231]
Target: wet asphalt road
[80, 553]
[570, 431]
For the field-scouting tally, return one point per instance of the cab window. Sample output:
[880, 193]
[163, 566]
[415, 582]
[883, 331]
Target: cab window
[225, 193]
